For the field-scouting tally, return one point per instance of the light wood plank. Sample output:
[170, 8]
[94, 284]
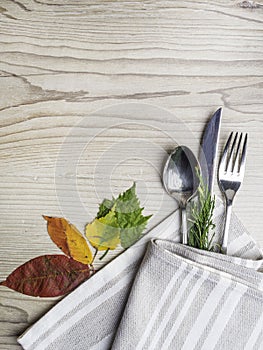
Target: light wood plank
[102, 77]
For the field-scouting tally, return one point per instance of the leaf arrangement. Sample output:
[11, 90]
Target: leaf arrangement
[202, 219]
[119, 222]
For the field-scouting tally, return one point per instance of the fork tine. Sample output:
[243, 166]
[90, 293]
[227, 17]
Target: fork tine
[236, 166]
[230, 160]
[222, 166]
[230, 180]
[243, 157]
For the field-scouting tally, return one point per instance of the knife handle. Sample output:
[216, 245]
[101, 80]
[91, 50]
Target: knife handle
[184, 226]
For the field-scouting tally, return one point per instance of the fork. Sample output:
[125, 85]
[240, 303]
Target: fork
[230, 176]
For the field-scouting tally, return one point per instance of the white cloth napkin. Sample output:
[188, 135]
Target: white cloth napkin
[185, 298]
[88, 318]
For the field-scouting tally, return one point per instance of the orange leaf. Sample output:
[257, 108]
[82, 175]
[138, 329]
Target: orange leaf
[57, 231]
[68, 238]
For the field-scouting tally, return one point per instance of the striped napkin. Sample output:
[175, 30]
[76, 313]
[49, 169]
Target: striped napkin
[184, 298]
[119, 307]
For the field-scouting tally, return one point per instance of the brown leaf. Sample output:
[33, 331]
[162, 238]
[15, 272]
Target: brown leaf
[47, 276]
[68, 238]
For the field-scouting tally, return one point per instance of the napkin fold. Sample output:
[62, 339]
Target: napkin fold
[184, 298]
[88, 318]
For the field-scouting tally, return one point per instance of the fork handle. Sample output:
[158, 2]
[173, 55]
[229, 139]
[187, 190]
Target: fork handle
[226, 227]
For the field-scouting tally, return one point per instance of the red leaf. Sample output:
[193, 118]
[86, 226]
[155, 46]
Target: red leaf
[47, 276]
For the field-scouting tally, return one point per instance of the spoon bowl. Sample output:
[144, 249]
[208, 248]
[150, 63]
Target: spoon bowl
[181, 181]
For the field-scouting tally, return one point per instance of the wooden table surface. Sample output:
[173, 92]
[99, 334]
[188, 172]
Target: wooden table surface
[93, 95]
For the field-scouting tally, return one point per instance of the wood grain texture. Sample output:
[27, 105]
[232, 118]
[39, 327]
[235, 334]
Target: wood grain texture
[93, 95]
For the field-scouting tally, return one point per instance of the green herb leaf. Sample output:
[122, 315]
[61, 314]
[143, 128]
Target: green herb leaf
[202, 219]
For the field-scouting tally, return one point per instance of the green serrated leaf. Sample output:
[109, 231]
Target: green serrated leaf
[126, 213]
[128, 201]
[129, 217]
[105, 207]
[132, 233]
[129, 236]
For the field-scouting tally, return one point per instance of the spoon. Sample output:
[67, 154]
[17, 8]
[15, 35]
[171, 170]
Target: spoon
[181, 181]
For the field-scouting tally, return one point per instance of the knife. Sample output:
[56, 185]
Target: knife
[209, 149]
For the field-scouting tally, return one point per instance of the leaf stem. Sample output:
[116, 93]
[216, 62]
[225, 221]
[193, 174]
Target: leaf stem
[94, 256]
[103, 256]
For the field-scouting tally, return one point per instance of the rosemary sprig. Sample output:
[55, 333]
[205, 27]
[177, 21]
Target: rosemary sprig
[201, 218]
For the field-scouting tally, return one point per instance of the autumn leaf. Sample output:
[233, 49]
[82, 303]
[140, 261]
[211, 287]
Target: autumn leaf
[103, 233]
[78, 246]
[47, 276]
[68, 238]
[57, 231]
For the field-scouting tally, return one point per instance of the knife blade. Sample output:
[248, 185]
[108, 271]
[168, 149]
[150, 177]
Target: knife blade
[209, 149]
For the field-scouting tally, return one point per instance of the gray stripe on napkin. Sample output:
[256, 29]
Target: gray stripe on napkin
[235, 329]
[189, 319]
[80, 338]
[210, 320]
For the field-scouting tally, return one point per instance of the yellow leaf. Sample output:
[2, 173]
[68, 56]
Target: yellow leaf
[103, 233]
[68, 238]
[78, 246]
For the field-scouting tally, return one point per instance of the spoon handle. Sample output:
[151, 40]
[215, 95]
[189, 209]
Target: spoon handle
[184, 226]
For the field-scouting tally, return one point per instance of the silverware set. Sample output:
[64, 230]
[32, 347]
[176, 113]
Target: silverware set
[181, 182]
